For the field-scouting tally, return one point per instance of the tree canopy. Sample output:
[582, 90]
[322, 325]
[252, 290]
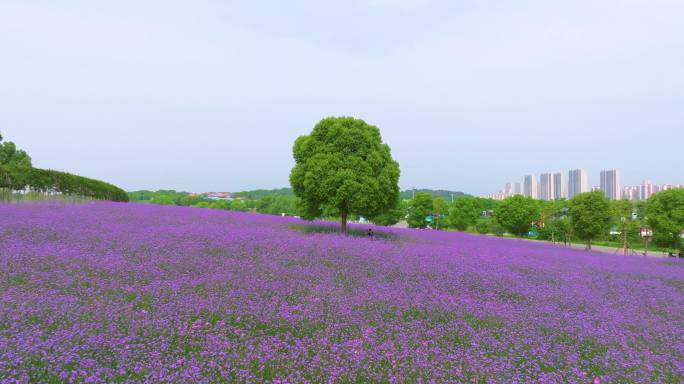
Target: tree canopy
[11, 156]
[344, 167]
[590, 215]
[420, 208]
[665, 214]
[517, 213]
[464, 212]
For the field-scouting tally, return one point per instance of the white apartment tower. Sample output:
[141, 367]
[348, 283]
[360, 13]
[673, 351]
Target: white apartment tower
[578, 182]
[546, 186]
[630, 193]
[559, 187]
[646, 190]
[610, 184]
[530, 187]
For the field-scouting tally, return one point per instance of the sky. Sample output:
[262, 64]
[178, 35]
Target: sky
[210, 95]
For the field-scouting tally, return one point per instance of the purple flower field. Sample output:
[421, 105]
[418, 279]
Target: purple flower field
[107, 292]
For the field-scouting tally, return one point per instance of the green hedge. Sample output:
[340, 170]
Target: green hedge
[18, 178]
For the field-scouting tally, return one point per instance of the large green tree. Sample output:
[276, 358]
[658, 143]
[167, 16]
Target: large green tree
[344, 167]
[590, 215]
[10, 155]
[665, 212]
[420, 207]
[517, 213]
[464, 213]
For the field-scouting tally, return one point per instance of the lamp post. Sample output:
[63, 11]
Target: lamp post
[646, 234]
[624, 235]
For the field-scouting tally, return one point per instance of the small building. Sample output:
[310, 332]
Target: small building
[219, 196]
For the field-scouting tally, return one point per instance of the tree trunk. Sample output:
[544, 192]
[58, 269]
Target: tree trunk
[344, 222]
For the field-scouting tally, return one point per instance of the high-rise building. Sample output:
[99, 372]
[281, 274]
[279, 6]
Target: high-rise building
[508, 189]
[517, 188]
[578, 182]
[546, 187]
[646, 189]
[610, 184]
[559, 188]
[630, 193]
[530, 187]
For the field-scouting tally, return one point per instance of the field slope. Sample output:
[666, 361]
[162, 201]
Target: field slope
[108, 292]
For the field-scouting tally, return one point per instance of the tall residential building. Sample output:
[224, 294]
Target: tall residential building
[530, 187]
[610, 184]
[517, 188]
[578, 182]
[559, 188]
[646, 189]
[508, 189]
[546, 186]
[630, 193]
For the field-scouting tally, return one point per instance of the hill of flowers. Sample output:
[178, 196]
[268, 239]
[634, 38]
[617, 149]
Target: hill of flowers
[114, 292]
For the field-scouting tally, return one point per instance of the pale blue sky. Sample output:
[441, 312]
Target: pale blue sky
[210, 95]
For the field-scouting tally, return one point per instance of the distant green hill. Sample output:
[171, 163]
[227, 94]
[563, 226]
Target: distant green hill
[408, 194]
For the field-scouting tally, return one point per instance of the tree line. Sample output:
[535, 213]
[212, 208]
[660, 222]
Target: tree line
[46, 180]
[17, 173]
[274, 202]
[587, 216]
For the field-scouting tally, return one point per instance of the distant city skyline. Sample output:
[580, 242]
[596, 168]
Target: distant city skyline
[552, 186]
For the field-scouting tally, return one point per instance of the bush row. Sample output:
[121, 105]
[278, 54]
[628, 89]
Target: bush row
[46, 180]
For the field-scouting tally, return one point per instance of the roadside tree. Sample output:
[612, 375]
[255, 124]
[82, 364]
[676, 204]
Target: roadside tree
[590, 215]
[420, 208]
[464, 213]
[517, 214]
[665, 212]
